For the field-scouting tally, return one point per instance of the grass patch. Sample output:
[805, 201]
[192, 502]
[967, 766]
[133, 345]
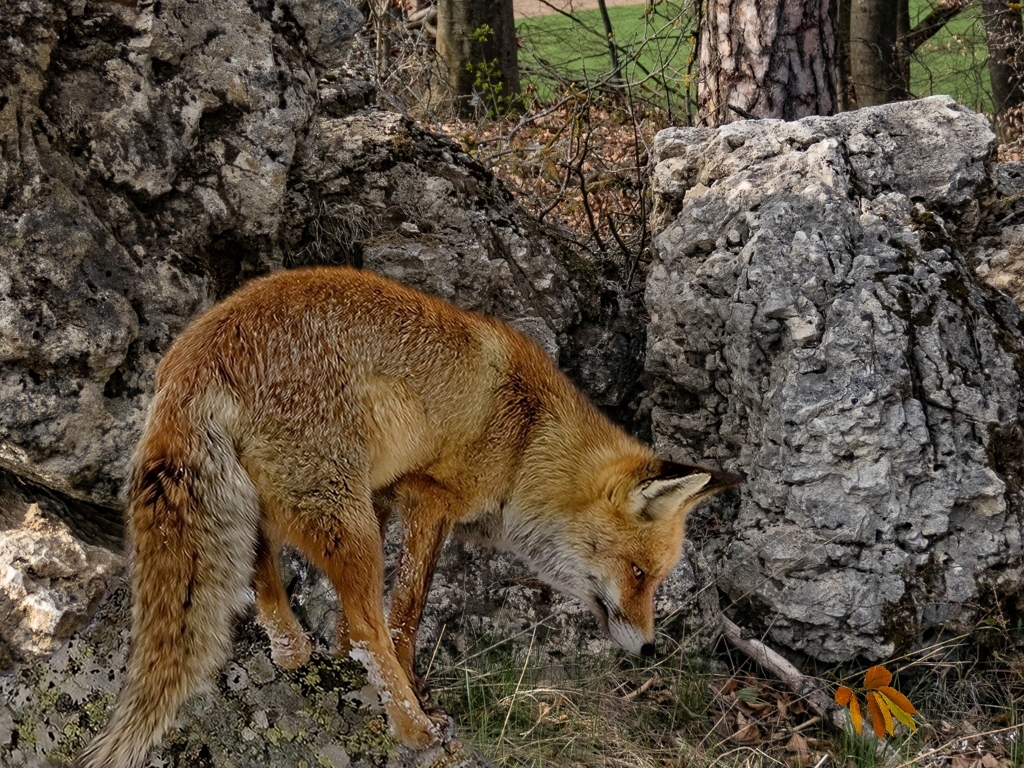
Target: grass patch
[609, 710]
[654, 48]
[521, 708]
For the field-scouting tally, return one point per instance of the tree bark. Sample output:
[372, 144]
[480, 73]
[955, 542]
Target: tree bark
[1004, 35]
[479, 61]
[879, 73]
[767, 58]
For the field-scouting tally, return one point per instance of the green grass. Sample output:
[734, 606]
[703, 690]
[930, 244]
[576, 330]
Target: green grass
[658, 42]
[605, 710]
[953, 62]
[584, 710]
[654, 47]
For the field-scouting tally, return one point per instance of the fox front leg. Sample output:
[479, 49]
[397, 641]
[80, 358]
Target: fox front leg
[383, 504]
[427, 511]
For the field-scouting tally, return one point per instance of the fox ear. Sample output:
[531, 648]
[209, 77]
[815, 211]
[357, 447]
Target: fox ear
[658, 487]
[675, 484]
[660, 497]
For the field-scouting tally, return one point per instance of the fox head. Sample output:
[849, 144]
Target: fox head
[621, 540]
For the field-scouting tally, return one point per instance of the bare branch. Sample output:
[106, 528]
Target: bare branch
[928, 26]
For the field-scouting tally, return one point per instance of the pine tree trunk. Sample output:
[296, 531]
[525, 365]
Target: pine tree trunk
[767, 58]
[1004, 34]
[476, 41]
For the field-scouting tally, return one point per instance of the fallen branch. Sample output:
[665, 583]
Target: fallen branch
[804, 687]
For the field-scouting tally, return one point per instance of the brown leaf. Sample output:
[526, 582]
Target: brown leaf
[887, 720]
[875, 712]
[965, 761]
[798, 743]
[855, 716]
[748, 734]
[877, 676]
[783, 705]
[843, 695]
[989, 761]
[898, 699]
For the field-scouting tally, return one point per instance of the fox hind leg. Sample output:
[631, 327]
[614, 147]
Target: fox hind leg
[290, 646]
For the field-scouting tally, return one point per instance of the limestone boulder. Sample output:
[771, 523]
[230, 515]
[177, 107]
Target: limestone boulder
[815, 323]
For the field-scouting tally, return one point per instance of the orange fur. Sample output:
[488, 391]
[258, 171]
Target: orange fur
[297, 411]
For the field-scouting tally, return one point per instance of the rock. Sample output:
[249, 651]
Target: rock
[364, 179]
[50, 584]
[153, 157]
[814, 322]
[156, 129]
[255, 716]
[998, 255]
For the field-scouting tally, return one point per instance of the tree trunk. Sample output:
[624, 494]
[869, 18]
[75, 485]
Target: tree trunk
[844, 88]
[613, 48]
[879, 74]
[767, 58]
[476, 41]
[1004, 34]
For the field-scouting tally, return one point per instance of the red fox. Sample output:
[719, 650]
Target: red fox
[289, 413]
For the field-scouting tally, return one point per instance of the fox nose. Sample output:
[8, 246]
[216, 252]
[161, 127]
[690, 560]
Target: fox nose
[647, 650]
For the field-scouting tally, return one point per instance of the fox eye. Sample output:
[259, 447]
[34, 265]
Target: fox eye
[638, 571]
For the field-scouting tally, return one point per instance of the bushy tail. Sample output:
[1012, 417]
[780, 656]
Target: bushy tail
[193, 517]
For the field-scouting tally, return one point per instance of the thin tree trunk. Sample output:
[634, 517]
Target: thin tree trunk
[844, 88]
[1004, 34]
[878, 73]
[476, 40]
[613, 49]
[380, 18]
[767, 58]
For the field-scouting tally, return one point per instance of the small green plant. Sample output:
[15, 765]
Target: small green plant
[487, 79]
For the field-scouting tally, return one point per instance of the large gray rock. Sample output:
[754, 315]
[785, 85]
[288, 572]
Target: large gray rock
[50, 584]
[814, 323]
[145, 154]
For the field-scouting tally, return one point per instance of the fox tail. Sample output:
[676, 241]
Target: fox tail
[193, 517]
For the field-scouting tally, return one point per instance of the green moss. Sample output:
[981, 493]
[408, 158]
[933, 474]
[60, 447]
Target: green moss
[403, 148]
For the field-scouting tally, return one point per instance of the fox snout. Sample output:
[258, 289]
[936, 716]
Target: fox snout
[626, 634]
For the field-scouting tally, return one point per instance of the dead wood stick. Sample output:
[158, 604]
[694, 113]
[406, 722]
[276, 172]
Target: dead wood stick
[790, 676]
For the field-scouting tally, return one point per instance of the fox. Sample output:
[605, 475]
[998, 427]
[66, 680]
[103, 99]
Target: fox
[308, 407]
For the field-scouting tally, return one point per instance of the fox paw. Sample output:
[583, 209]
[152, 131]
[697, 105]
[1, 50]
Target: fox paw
[290, 652]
